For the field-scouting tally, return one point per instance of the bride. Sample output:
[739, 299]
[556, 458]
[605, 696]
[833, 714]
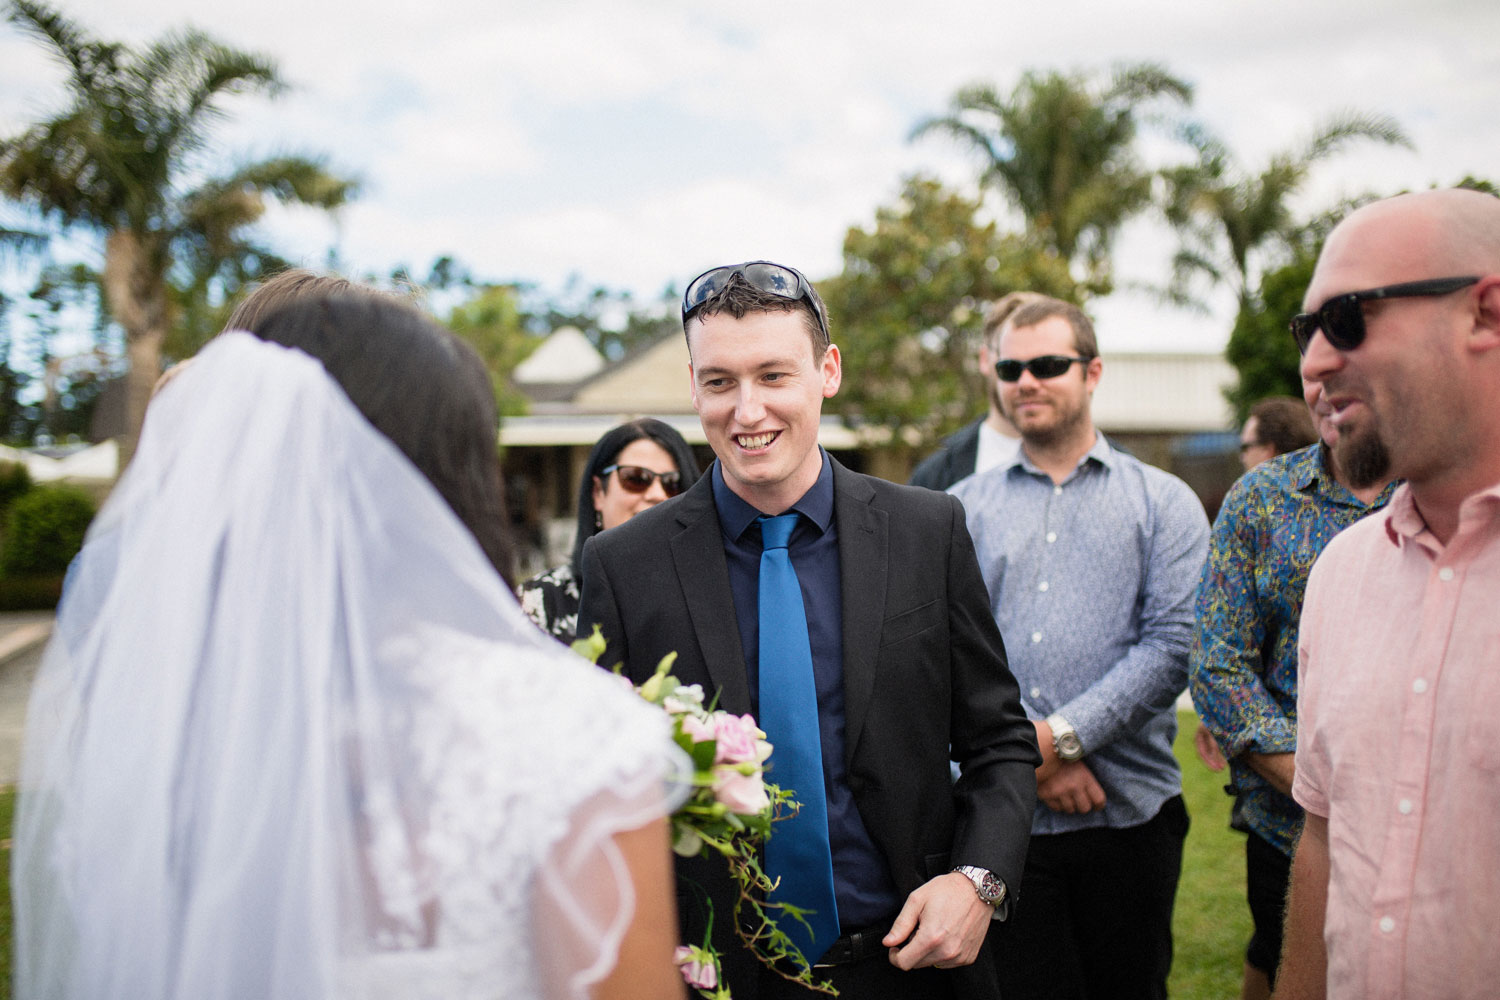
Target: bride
[293, 736]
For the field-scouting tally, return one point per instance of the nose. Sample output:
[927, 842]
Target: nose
[1028, 380]
[1321, 360]
[654, 493]
[748, 408]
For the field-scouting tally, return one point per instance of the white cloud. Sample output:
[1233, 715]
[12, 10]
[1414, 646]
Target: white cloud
[632, 143]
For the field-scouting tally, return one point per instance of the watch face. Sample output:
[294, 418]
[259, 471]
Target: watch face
[991, 887]
[1069, 747]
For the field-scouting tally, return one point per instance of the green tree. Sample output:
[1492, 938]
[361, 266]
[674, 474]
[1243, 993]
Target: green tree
[1230, 218]
[492, 323]
[115, 160]
[1061, 149]
[908, 306]
[1260, 346]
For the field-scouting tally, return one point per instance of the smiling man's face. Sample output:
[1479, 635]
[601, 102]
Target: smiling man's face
[759, 393]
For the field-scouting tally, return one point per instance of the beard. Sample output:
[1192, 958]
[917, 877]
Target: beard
[1067, 423]
[1362, 457]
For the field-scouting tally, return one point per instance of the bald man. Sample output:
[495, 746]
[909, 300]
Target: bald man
[1396, 879]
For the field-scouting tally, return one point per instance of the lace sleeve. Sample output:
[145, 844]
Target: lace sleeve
[509, 866]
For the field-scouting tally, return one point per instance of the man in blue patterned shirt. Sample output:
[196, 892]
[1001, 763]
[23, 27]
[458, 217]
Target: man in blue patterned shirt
[1091, 558]
[1243, 670]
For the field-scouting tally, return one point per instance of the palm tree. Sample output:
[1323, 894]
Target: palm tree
[1062, 151]
[116, 161]
[1229, 217]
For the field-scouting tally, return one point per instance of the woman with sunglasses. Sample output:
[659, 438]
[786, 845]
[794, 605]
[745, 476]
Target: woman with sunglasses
[632, 467]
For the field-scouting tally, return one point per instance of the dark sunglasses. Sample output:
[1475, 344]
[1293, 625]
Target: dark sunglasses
[634, 479]
[1046, 366]
[775, 279]
[1342, 318]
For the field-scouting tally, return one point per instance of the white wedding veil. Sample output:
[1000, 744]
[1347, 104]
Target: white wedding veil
[294, 738]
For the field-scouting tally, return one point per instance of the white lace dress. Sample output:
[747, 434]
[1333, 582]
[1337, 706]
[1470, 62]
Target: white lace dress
[294, 738]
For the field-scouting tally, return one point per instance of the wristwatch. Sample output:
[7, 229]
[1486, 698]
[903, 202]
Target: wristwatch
[991, 890]
[1064, 740]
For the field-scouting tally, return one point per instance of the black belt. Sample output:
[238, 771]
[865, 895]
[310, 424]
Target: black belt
[855, 947]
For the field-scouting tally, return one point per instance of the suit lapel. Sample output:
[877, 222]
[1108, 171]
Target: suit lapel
[698, 555]
[863, 554]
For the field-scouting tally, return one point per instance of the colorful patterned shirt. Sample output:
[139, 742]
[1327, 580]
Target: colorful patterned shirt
[1243, 668]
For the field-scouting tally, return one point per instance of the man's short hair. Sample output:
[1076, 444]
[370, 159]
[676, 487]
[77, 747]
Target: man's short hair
[1283, 423]
[738, 298]
[1001, 310]
[1044, 307]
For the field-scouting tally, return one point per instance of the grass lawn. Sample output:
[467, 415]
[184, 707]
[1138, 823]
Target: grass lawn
[1211, 923]
[1210, 927]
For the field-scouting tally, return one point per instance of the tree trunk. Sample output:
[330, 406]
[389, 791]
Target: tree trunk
[136, 287]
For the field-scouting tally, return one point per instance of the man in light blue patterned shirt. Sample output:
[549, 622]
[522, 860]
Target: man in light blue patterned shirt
[1092, 559]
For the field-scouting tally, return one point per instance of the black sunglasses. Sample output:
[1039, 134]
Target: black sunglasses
[776, 279]
[1342, 319]
[634, 479]
[1046, 366]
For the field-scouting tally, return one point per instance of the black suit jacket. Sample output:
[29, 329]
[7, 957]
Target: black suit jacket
[954, 459]
[924, 670]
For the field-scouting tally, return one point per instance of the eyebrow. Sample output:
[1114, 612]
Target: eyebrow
[774, 364]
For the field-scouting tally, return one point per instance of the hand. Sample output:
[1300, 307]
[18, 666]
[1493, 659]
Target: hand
[949, 920]
[1208, 749]
[1072, 788]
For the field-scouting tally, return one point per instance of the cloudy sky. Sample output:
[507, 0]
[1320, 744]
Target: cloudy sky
[635, 143]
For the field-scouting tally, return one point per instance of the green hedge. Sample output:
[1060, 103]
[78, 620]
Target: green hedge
[44, 530]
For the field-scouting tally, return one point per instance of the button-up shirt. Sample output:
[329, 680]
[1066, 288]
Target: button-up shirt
[1092, 583]
[1400, 679]
[1243, 667]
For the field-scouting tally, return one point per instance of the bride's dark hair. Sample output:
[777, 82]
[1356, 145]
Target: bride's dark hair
[420, 386]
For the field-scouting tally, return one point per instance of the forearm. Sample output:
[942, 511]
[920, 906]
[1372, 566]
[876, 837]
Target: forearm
[1303, 974]
[1276, 768]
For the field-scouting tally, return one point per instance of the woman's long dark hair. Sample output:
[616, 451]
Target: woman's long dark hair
[606, 450]
[420, 386]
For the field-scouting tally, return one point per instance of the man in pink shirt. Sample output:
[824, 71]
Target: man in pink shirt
[1396, 880]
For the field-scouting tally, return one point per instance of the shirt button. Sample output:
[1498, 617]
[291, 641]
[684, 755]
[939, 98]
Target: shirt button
[1387, 924]
[1445, 574]
[1042, 586]
[1051, 537]
[1057, 491]
[1404, 807]
[1419, 685]
[1036, 692]
[1036, 637]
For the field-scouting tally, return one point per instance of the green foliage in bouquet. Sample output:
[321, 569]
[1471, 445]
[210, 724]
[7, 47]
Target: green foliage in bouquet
[731, 810]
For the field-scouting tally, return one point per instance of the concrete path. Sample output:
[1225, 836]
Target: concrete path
[23, 637]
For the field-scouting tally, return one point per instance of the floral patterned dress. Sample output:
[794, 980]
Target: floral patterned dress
[551, 600]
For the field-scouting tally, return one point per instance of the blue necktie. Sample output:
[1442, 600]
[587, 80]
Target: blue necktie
[797, 851]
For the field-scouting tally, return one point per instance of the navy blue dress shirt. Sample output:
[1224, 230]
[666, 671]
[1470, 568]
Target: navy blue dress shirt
[862, 883]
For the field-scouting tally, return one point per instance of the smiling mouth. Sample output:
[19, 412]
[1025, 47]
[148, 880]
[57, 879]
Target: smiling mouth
[752, 442]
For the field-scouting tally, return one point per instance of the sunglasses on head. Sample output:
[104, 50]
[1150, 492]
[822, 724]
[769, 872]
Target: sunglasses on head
[634, 479]
[774, 279]
[1046, 366]
[1342, 318]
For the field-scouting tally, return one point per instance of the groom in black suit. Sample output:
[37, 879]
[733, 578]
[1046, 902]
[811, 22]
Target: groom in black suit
[908, 666]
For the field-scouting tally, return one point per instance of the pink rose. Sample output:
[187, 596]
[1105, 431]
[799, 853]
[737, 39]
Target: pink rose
[699, 730]
[738, 739]
[697, 969]
[741, 793]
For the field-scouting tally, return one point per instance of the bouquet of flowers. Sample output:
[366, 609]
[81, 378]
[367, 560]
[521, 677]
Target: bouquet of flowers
[730, 810]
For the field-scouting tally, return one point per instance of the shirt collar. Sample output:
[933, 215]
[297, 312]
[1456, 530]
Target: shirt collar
[1404, 523]
[1310, 472]
[1101, 452]
[736, 516]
